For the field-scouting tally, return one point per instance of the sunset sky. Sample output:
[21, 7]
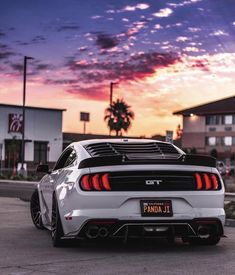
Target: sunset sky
[165, 56]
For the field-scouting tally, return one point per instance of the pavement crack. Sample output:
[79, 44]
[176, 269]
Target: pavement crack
[25, 266]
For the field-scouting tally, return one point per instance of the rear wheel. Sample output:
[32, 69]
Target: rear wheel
[35, 210]
[56, 226]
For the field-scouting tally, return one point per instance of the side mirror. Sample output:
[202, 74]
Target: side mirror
[43, 168]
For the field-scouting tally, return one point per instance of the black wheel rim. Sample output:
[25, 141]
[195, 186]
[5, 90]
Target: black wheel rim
[35, 210]
[53, 220]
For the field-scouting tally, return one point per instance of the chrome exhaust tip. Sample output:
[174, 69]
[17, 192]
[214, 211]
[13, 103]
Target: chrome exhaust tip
[203, 232]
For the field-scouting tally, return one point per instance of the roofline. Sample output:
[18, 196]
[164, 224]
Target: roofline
[203, 113]
[187, 111]
[32, 107]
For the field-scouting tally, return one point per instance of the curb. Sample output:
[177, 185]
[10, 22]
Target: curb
[230, 222]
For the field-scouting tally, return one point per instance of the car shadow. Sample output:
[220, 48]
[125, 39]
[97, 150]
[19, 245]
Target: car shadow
[138, 245]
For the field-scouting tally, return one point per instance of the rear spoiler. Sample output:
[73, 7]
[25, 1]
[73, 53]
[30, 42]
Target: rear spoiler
[197, 160]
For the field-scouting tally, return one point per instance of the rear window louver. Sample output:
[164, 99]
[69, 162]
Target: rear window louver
[134, 151]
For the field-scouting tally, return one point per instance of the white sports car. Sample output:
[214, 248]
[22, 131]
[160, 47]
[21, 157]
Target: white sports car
[125, 188]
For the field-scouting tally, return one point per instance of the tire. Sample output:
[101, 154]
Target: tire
[212, 240]
[35, 210]
[56, 226]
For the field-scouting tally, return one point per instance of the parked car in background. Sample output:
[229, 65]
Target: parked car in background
[220, 165]
[230, 170]
[130, 188]
[225, 169]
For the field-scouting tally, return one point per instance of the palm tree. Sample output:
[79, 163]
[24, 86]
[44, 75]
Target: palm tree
[119, 116]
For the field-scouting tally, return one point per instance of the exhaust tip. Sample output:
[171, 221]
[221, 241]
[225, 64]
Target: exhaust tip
[203, 232]
[92, 232]
[103, 232]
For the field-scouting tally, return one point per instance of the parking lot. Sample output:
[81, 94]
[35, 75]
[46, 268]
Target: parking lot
[26, 250]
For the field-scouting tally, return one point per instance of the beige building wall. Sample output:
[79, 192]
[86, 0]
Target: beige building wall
[193, 140]
[194, 132]
[194, 124]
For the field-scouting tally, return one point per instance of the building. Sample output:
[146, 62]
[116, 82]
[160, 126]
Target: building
[210, 127]
[43, 135]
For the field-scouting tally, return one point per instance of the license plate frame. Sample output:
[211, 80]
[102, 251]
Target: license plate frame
[156, 208]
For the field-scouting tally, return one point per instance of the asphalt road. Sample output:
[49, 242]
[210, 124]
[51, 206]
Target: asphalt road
[17, 189]
[26, 250]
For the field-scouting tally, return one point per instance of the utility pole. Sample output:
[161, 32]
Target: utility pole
[23, 111]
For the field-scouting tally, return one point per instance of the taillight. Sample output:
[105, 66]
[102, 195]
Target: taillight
[105, 182]
[95, 182]
[85, 182]
[215, 182]
[199, 181]
[207, 181]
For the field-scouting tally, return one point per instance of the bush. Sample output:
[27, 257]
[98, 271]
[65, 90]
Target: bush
[3, 177]
[17, 177]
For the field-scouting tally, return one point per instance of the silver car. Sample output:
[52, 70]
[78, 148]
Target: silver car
[130, 188]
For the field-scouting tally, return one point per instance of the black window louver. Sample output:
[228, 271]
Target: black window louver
[134, 151]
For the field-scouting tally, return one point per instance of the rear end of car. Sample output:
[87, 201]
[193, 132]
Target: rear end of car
[146, 190]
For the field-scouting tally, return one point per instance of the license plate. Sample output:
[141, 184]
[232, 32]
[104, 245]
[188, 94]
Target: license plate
[156, 208]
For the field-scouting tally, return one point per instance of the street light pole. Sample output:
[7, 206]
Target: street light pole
[111, 93]
[111, 98]
[23, 111]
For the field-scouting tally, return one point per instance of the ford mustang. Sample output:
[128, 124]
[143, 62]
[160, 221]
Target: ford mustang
[130, 188]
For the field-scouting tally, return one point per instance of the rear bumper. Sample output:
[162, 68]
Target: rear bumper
[75, 222]
[124, 208]
[115, 228]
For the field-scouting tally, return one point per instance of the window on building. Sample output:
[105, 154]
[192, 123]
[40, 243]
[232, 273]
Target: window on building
[227, 141]
[228, 119]
[211, 141]
[212, 120]
[40, 152]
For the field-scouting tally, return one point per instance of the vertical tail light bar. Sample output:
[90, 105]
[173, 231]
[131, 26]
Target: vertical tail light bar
[85, 183]
[198, 181]
[105, 182]
[207, 181]
[95, 182]
[215, 182]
